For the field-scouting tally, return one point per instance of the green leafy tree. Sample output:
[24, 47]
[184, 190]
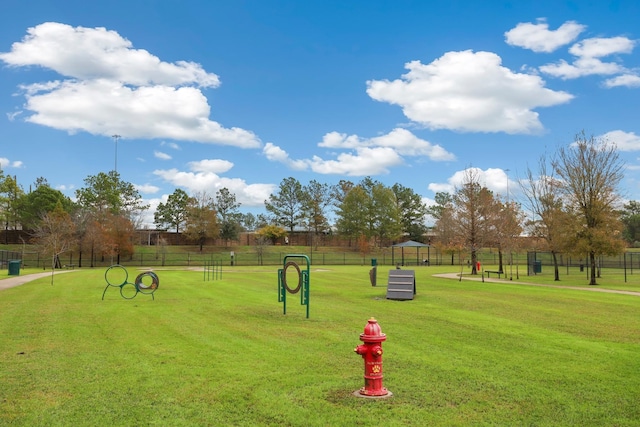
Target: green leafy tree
[172, 214]
[105, 199]
[352, 219]
[340, 191]
[412, 212]
[248, 221]
[591, 171]
[33, 206]
[10, 194]
[317, 199]
[228, 215]
[630, 216]
[107, 192]
[386, 217]
[262, 220]
[286, 205]
[443, 201]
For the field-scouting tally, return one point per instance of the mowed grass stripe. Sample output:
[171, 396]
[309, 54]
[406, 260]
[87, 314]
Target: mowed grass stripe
[221, 352]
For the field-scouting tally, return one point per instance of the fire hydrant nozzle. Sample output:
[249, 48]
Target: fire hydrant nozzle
[371, 352]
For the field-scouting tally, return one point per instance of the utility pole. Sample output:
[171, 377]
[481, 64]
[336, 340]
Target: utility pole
[116, 137]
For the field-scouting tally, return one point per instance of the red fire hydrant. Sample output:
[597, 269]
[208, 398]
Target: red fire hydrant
[371, 352]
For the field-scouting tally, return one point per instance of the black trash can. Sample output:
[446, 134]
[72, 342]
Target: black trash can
[537, 266]
[14, 267]
[374, 262]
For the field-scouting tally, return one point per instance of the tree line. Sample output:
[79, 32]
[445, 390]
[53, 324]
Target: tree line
[570, 204]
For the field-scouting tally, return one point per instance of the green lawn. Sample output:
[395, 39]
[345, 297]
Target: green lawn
[221, 352]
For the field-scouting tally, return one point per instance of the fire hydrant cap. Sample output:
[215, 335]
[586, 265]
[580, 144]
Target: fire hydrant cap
[372, 332]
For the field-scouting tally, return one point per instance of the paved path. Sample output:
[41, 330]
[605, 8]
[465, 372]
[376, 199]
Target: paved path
[21, 280]
[456, 276]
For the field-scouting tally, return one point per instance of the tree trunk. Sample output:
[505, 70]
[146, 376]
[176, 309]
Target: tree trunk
[474, 260]
[592, 260]
[500, 261]
[556, 271]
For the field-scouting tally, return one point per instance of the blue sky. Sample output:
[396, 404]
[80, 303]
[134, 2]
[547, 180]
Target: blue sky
[242, 94]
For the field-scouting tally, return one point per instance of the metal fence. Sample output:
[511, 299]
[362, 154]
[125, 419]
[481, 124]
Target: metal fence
[386, 257]
[198, 259]
[6, 256]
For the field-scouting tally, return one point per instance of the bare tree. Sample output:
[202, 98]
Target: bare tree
[591, 171]
[472, 210]
[56, 235]
[443, 212]
[544, 201]
[505, 226]
[202, 221]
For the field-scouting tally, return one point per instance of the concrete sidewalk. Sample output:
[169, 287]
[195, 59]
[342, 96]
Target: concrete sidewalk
[12, 282]
[456, 276]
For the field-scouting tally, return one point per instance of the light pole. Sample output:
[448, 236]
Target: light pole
[116, 137]
[509, 213]
[507, 173]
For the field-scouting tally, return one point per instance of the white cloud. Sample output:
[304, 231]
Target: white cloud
[211, 165]
[588, 53]
[105, 107]
[600, 47]
[146, 188]
[470, 92]
[494, 179]
[276, 154]
[539, 38]
[172, 145]
[12, 116]
[624, 141]
[204, 176]
[89, 53]
[628, 80]
[399, 139]
[6, 163]
[367, 161]
[366, 157]
[340, 140]
[113, 88]
[581, 67]
[162, 156]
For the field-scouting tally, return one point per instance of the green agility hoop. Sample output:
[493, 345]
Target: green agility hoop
[303, 282]
[118, 277]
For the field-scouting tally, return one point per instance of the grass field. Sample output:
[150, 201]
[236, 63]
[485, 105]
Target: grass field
[221, 352]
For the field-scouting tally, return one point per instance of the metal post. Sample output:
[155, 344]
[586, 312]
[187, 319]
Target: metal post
[116, 137]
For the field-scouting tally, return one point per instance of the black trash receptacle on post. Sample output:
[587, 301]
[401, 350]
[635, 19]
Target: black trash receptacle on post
[14, 267]
[374, 262]
[537, 266]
